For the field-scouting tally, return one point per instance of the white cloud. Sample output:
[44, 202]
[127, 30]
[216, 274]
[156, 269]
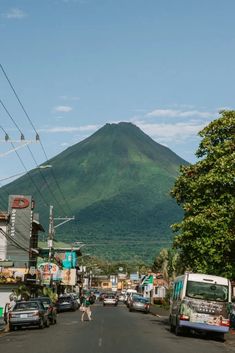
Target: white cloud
[70, 129]
[63, 109]
[176, 133]
[15, 13]
[176, 113]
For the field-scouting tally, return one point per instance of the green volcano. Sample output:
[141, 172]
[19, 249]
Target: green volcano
[116, 183]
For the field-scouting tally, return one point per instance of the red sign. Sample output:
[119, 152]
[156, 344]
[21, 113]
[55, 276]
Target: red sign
[20, 202]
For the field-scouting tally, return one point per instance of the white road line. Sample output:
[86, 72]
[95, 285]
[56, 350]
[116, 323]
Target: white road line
[100, 342]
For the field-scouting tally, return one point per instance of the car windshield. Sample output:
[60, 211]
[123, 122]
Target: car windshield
[26, 306]
[207, 291]
[141, 300]
[65, 299]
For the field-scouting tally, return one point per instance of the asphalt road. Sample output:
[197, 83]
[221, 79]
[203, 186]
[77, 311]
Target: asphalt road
[112, 330]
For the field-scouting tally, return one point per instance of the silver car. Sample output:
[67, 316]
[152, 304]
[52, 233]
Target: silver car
[138, 303]
[28, 313]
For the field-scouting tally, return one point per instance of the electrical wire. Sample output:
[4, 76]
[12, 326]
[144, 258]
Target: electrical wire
[27, 172]
[37, 135]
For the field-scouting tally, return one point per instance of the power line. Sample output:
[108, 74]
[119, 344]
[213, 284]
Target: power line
[37, 135]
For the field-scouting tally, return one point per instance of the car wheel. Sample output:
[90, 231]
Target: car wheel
[130, 310]
[41, 324]
[178, 330]
[47, 322]
[54, 320]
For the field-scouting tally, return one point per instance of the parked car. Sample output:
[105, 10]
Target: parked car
[97, 293]
[130, 297]
[128, 293]
[66, 303]
[139, 303]
[101, 296]
[110, 299]
[121, 297]
[52, 310]
[76, 297]
[28, 313]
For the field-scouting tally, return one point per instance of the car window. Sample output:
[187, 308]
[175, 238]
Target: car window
[46, 303]
[65, 299]
[26, 306]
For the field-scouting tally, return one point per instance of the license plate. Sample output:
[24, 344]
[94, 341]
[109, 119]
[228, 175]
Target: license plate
[23, 316]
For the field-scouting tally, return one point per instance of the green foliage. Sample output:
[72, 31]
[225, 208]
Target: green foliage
[168, 262]
[22, 292]
[48, 292]
[206, 191]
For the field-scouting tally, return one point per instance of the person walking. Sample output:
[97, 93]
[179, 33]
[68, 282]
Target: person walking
[85, 307]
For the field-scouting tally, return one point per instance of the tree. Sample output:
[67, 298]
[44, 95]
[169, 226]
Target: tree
[206, 191]
[168, 262]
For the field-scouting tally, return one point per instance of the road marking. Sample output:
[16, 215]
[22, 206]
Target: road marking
[70, 323]
[100, 342]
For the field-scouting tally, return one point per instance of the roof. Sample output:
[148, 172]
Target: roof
[38, 226]
[60, 247]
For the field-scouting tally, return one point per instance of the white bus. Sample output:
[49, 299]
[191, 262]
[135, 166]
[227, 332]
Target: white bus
[200, 302]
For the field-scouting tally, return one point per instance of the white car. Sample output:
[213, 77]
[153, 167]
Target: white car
[121, 297]
[110, 299]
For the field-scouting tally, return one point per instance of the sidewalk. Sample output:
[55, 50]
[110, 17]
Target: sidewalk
[158, 310]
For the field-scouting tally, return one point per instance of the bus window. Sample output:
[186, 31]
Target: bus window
[177, 290]
[207, 291]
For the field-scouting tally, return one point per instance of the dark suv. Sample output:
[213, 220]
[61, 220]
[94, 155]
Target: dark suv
[66, 303]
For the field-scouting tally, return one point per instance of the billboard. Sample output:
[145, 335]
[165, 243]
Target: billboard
[49, 271]
[12, 275]
[20, 209]
[134, 276]
[68, 277]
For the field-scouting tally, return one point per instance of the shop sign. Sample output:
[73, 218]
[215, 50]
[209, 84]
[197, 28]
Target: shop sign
[49, 271]
[68, 277]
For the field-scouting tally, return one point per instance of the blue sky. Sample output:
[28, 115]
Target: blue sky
[167, 66]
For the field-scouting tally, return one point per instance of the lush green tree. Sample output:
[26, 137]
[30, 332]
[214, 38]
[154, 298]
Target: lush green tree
[206, 191]
[168, 262]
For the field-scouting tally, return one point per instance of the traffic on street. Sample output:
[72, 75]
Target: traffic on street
[112, 329]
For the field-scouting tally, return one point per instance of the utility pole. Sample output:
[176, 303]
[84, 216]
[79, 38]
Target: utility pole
[51, 233]
[64, 219]
[52, 227]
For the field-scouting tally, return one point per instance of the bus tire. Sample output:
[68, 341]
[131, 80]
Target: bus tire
[178, 330]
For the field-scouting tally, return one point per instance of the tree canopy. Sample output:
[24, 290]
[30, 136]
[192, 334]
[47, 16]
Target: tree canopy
[206, 191]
